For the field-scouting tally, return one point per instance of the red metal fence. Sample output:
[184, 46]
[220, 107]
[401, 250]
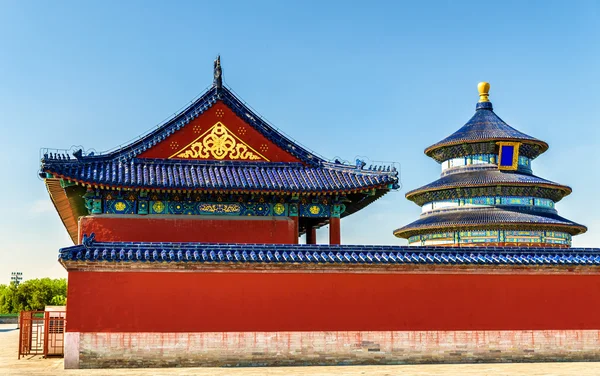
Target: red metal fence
[41, 333]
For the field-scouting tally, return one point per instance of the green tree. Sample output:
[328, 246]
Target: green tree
[58, 300]
[34, 294]
[7, 295]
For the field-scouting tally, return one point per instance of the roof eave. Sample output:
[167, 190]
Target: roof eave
[408, 231]
[63, 207]
[383, 185]
[431, 149]
[411, 195]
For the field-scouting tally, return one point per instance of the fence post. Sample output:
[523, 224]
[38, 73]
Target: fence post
[46, 332]
[19, 326]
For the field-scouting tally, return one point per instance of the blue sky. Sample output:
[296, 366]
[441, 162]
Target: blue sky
[377, 79]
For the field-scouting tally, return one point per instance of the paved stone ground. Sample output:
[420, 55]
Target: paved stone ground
[34, 366]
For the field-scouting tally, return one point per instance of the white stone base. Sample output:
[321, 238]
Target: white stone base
[72, 349]
[106, 350]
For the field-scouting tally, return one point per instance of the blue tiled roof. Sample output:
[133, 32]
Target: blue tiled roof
[323, 254]
[485, 125]
[486, 176]
[197, 108]
[488, 218]
[121, 168]
[203, 175]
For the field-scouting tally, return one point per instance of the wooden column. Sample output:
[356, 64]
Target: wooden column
[334, 231]
[311, 234]
[296, 227]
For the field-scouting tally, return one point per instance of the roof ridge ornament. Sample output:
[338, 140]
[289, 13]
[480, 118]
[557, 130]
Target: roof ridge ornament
[484, 90]
[218, 73]
[87, 241]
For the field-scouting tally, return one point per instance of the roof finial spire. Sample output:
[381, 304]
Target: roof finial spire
[484, 89]
[218, 73]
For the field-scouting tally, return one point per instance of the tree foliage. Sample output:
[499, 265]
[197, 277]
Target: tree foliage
[31, 295]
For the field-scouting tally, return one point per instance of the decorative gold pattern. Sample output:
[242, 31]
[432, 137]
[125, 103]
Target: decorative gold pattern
[174, 144]
[264, 148]
[158, 207]
[197, 128]
[219, 143]
[279, 209]
[220, 208]
[220, 113]
[314, 210]
[120, 206]
[242, 130]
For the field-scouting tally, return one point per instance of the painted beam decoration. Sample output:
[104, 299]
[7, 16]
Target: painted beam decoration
[143, 203]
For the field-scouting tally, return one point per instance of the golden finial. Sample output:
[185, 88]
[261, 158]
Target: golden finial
[484, 89]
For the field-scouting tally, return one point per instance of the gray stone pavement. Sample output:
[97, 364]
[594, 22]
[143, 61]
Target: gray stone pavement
[36, 365]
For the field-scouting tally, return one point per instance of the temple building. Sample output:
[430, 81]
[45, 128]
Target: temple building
[215, 172]
[186, 252]
[487, 194]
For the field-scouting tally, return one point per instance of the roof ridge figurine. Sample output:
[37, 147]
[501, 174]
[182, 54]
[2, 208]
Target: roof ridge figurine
[218, 73]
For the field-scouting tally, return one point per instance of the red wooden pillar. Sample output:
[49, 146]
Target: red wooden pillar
[296, 227]
[334, 231]
[311, 234]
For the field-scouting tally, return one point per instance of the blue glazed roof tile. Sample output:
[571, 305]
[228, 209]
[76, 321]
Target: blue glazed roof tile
[486, 176]
[489, 218]
[323, 254]
[121, 168]
[485, 125]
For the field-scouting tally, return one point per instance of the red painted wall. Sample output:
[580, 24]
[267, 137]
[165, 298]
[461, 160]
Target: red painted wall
[214, 229]
[238, 301]
[218, 113]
